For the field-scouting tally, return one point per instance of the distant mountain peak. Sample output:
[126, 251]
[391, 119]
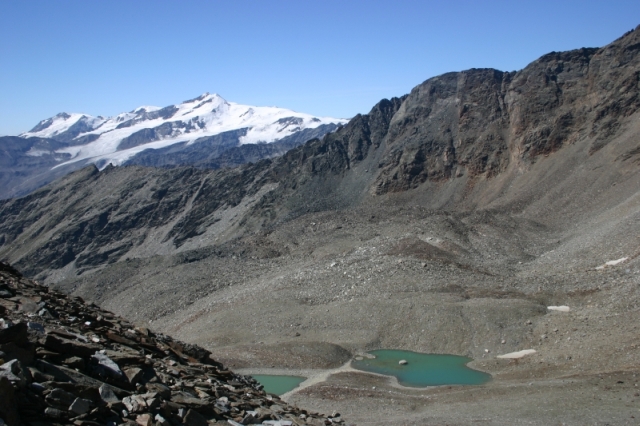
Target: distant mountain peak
[117, 139]
[206, 131]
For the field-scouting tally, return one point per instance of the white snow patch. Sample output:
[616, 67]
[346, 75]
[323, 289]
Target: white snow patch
[59, 124]
[562, 308]
[517, 355]
[37, 152]
[612, 262]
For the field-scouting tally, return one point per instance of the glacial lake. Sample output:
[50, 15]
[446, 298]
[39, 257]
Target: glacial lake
[422, 370]
[278, 385]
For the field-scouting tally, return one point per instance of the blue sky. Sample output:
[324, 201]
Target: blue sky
[329, 58]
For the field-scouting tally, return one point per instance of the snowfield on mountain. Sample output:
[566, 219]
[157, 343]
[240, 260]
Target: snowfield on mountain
[207, 115]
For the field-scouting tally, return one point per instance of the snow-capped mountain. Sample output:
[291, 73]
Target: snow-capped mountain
[118, 139]
[206, 132]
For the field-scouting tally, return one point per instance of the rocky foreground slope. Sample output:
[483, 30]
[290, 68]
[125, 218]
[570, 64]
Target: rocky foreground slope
[64, 361]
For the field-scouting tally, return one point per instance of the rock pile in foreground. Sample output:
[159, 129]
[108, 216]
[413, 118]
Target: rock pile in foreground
[63, 361]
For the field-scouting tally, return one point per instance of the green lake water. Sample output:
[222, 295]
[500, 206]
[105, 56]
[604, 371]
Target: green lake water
[422, 369]
[278, 385]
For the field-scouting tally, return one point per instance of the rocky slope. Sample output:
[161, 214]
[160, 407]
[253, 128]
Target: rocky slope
[445, 221]
[64, 361]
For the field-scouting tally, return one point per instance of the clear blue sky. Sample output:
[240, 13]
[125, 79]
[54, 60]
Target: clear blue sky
[333, 58]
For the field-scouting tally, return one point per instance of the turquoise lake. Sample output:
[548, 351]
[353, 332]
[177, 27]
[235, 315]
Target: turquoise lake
[278, 385]
[422, 369]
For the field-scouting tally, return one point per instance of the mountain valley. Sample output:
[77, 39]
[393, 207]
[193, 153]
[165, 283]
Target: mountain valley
[447, 220]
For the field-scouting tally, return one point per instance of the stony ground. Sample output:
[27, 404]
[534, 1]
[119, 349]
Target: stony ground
[63, 361]
[347, 282]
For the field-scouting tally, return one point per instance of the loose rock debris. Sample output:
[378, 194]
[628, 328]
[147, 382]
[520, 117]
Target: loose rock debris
[63, 361]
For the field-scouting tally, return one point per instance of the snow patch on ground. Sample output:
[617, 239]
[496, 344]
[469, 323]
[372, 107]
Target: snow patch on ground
[562, 308]
[612, 263]
[517, 355]
[37, 152]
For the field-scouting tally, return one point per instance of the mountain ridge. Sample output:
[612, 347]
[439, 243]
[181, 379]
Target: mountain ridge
[384, 152]
[189, 121]
[196, 132]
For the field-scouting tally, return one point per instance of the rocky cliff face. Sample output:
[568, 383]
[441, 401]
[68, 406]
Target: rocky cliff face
[483, 122]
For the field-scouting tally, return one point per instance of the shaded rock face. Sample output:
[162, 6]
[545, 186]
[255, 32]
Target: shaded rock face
[465, 140]
[482, 121]
[224, 150]
[63, 361]
[32, 157]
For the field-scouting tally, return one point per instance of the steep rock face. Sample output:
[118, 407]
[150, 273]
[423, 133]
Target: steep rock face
[481, 121]
[454, 120]
[469, 140]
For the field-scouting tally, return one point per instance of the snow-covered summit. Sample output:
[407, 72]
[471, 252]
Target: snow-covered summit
[118, 138]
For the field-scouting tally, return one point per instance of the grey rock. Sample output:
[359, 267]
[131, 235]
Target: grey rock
[134, 374]
[134, 403]
[107, 394]
[74, 362]
[80, 406]
[144, 419]
[38, 387]
[162, 390]
[277, 408]
[36, 327]
[161, 421]
[130, 404]
[60, 397]
[45, 313]
[107, 365]
[12, 371]
[54, 413]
